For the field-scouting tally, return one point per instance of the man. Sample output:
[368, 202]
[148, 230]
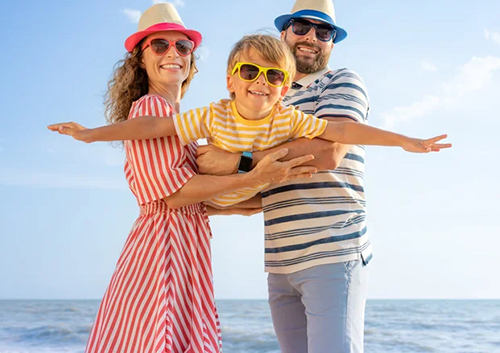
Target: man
[316, 245]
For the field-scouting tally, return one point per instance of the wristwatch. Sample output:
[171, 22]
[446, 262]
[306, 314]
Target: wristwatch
[245, 164]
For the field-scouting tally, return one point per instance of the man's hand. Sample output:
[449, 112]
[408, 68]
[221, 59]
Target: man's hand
[271, 170]
[215, 161]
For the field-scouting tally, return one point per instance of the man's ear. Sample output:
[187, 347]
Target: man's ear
[283, 35]
[230, 83]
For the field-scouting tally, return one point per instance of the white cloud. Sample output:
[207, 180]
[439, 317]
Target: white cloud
[11, 177]
[473, 76]
[492, 35]
[427, 66]
[177, 3]
[133, 15]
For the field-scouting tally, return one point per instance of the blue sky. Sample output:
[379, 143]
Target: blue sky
[431, 67]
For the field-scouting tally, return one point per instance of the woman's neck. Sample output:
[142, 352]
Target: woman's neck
[172, 94]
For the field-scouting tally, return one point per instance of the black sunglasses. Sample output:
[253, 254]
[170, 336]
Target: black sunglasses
[300, 27]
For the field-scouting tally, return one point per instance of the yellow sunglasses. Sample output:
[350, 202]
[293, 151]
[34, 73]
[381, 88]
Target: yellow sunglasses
[249, 72]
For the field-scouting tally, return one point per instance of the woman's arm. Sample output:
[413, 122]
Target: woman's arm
[205, 187]
[140, 128]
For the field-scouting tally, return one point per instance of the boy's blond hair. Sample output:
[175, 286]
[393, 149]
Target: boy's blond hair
[269, 48]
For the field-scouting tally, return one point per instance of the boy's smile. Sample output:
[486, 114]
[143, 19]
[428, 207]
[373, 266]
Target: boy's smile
[254, 100]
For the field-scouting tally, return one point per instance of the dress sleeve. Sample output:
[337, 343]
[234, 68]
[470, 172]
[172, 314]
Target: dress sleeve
[160, 165]
[306, 125]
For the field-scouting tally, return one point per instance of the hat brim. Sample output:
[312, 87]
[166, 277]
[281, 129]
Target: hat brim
[281, 21]
[135, 38]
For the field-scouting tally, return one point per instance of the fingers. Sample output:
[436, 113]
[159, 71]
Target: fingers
[298, 161]
[278, 154]
[433, 140]
[441, 145]
[303, 170]
[202, 150]
[63, 128]
[298, 176]
[56, 127]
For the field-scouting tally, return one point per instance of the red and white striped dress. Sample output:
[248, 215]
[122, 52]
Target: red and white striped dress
[160, 298]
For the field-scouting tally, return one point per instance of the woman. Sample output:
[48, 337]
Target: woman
[160, 298]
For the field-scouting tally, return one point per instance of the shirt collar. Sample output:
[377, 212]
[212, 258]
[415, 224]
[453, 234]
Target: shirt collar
[307, 80]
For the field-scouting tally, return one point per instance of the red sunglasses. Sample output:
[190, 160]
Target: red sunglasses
[161, 46]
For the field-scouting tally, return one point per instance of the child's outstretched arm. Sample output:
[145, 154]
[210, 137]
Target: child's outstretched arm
[360, 134]
[140, 128]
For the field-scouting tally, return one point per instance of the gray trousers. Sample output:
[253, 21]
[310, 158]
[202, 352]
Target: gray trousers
[320, 309]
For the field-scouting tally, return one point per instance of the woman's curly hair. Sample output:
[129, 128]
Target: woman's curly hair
[130, 82]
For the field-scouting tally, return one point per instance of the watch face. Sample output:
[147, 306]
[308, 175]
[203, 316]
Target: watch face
[245, 164]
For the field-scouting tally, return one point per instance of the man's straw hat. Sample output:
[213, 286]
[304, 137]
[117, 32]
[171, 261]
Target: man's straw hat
[321, 10]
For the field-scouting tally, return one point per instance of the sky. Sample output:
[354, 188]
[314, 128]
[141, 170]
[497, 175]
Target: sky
[431, 67]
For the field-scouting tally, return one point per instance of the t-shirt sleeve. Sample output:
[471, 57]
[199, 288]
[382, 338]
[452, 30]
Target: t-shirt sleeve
[193, 124]
[345, 96]
[306, 125]
[159, 165]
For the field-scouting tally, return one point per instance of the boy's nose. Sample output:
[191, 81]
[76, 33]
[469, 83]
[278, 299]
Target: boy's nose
[261, 79]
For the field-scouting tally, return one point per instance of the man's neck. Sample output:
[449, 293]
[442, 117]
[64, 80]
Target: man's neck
[298, 76]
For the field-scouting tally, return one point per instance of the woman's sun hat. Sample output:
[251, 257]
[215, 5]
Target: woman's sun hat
[321, 10]
[160, 17]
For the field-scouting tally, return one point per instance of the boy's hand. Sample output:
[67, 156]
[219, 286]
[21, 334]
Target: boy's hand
[76, 130]
[425, 146]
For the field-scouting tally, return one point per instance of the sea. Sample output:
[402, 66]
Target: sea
[399, 326]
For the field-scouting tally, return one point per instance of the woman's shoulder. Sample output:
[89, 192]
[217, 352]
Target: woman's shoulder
[151, 105]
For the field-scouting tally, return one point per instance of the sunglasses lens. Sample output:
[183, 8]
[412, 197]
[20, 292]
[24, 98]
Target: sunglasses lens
[301, 28]
[324, 33]
[275, 77]
[184, 47]
[248, 72]
[160, 46]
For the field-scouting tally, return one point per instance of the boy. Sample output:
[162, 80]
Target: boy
[260, 68]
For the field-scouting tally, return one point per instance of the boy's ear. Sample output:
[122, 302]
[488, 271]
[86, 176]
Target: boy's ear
[284, 90]
[230, 83]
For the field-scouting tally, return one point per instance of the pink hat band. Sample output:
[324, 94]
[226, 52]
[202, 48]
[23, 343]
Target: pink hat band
[135, 38]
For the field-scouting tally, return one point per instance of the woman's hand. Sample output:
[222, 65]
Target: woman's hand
[424, 146]
[271, 170]
[76, 130]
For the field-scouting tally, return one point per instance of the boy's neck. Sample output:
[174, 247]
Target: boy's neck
[172, 94]
[250, 114]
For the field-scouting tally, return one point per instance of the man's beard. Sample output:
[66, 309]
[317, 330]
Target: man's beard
[304, 66]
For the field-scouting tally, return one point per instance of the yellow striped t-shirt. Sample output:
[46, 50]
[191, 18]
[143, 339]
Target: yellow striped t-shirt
[222, 125]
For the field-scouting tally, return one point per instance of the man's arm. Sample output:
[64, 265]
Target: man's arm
[327, 155]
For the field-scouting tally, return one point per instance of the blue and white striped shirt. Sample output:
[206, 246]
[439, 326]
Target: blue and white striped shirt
[321, 220]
